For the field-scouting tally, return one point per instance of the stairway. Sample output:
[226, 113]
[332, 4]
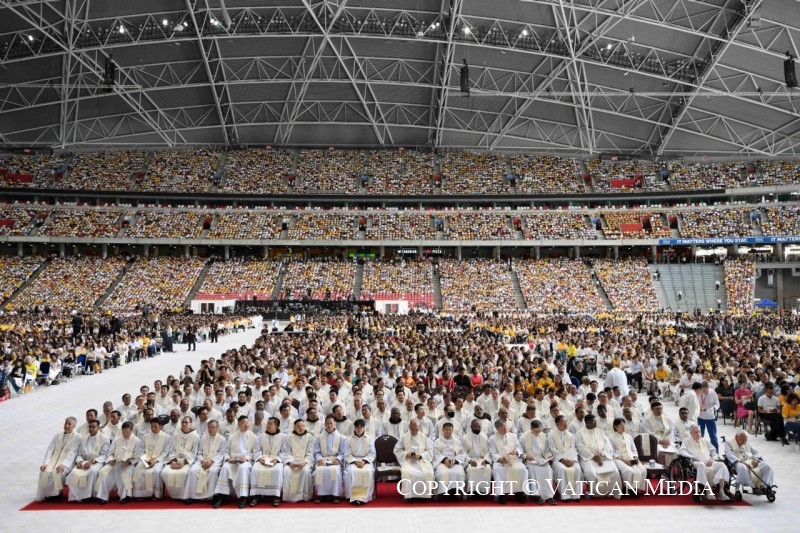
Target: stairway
[696, 281]
[276, 292]
[436, 283]
[293, 172]
[197, 285]
[359, 281]
[123, 230]
[221, 170]
[601, 292]
[584, 170]
[28, 281]
[517, 290]
[122, 272]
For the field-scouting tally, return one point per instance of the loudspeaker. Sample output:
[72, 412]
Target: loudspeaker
[465, 79]
[109, 75]
[789, 73]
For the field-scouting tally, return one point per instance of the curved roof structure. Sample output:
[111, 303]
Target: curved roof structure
[646, 77]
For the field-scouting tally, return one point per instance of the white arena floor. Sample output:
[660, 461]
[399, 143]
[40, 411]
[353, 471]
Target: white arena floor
[28, 424]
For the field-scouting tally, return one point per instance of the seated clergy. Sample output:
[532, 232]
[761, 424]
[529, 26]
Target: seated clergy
[118, 471]
[632, 472]
[566, 468]
[703, 456]
[662, 428]
[203, 474]
[597, 461]
[90, 460]
[748, 462]
[147, 474]
[448, 459]
[243, 446]
[298, 458]
[359, 456]
[58, 461]
[329, 457]
[266, 478]
[538, 457]
[414, 452]
[507, 465]
[479, 460]
[184, 453]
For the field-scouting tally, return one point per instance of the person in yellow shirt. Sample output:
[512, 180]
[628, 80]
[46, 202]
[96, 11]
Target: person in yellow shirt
[791, 415]
[545, 382]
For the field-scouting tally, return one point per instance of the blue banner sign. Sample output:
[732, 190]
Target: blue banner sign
[728, 240]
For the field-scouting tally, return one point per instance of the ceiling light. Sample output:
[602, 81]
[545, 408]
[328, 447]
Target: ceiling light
[214, 22]
[608, 46]
[632, 39]
[466, 30]
[420, 33]
[165, 22]
[121, 28]
[524, 33]
[30, 38]
[179, 27]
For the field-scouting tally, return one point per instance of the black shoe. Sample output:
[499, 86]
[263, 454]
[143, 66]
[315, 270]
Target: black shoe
[254, 501]
[785, 441]
[188, 501]
[216, 503]
[123, 501]
[551, 501]
[502, 500]
[521, 497]
[539, 500]
[242, 503]
[276, 502]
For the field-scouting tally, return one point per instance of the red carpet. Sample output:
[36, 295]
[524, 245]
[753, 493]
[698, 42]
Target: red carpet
[388, 497]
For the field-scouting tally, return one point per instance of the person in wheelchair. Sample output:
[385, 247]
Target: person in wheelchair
[751, 469]
[704, 460]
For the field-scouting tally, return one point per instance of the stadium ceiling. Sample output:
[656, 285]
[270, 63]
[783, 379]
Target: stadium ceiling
[648, 77]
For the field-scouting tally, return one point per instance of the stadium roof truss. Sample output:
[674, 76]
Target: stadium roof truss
[646, 77]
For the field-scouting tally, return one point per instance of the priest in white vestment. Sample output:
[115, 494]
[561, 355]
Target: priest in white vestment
[117, 473]
[507, 465]
[631, 470]
[91, 457]
[298, 457]
[448, 460]
[751, 469]
[243, 447]
[395, 426]
[709, 470]
[147, 474]
[266, 477]
[186, 442]
[203, 474]
[328, 461]
[359, 456]
[663, 429]
[538, 457]
[479, 459]
[414, 453]
[566, 468]
[58, 461]
[597, 461]
[683, 424]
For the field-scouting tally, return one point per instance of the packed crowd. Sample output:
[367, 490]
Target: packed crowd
[17, 220]
[648, 175]
[473, 173]
[245, 225]
[166, 225]
[182, 170]
[319, 280]
[242, 277]
[161, 282]
[774, 173]
[554, 225]
[401, 226]
[781, 220]
[400, 172]
[477, 225]
[628, 284]
[41, 168]
[558, 285]
[546, 175]
[103, 171]
[14, 271]
[411, 278]
[707, 175]
[617, 219]
[258, 171]
[69, 283]
[85, 223]
[330, 171]
[740, 280]
[323, 226]
[252, 423]
[479, 285]
[734, 222]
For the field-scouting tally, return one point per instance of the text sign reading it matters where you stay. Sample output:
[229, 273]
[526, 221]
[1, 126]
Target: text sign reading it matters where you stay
[728, 240]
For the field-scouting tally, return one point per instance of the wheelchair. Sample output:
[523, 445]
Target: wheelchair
[738, 490]
[682, 469]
